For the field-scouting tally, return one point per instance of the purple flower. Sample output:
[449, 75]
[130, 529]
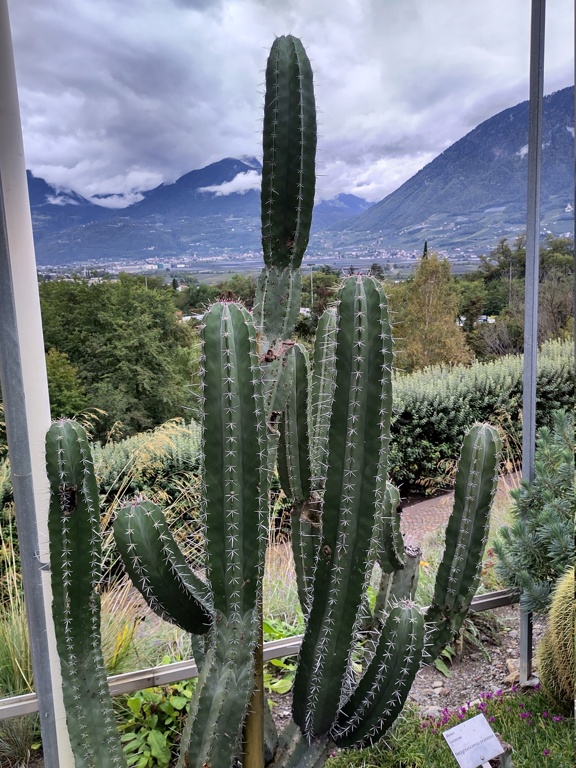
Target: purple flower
[557, 718]
[545, 714]
[546, 752]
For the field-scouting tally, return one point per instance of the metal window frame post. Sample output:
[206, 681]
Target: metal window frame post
[531, 287]
[26, 405]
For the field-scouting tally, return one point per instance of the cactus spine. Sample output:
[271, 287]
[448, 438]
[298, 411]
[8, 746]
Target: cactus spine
[328, 426]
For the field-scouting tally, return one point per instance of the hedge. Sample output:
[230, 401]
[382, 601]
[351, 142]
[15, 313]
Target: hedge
[434, 408]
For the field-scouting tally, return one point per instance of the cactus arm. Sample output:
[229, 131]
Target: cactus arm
[458, 573]
[289, 152]
[213, 732]
[294, 472]
[293, 448]
[158, 569]
[360, 415]
[288, 186]
[391, 555]
[306, 524]
[382, 691]
[75, 562]
[323, 379]
[235, 475]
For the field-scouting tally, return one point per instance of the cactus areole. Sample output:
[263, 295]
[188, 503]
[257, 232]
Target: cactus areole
[324, 422]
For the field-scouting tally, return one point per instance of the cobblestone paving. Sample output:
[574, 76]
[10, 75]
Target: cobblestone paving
[422, 520]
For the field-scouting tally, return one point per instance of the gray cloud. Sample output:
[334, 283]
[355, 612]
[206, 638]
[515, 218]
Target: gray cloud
[118, 97]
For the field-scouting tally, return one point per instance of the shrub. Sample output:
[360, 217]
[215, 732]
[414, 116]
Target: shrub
[435, 407]
[538, 547]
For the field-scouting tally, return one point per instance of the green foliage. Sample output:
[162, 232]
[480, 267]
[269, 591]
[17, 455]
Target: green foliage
[497, 289]
[149, 459]
[67, 395]
[239, 287]
[151, 723]
[426, 310]
[534, 552]
[434, 407]
[121, 337]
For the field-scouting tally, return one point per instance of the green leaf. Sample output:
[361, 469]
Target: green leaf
[283, 685]
[441, 667]
[178, 702]
[159, 747]
[134, 704]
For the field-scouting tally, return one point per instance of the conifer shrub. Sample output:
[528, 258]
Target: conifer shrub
[535, 551]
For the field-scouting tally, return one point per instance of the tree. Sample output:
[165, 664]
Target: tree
[122, 338]
[377, 271]
[67, 395]
[238, 288]
[427, 310]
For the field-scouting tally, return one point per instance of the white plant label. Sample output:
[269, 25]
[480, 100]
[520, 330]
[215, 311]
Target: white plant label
[473, 742]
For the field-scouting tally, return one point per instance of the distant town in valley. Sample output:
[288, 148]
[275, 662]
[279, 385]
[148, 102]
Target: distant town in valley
[462, 204]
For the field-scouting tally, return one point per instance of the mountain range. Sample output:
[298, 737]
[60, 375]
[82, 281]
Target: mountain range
[475, 192]
[463, 201]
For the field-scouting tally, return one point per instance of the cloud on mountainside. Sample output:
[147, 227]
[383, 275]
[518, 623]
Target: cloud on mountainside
[241, 183]
[117, 98]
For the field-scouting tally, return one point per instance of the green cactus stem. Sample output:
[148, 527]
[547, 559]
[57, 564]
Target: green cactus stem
[295, 473]
[158, 569]
[213, 733]
[75, 562]
[459, 571]
[234, 468]
[287, 196]
[359, 428]
[382, 690]
[391, 554]
[289, 144]
[296, 751]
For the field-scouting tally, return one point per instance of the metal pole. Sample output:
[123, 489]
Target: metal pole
[531, 289]
[26, 405]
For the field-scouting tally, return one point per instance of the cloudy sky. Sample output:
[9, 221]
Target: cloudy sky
[118, 96]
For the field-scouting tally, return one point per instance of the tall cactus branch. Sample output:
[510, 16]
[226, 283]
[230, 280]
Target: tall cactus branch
[361, 408]
[289, 143]
[76, 563]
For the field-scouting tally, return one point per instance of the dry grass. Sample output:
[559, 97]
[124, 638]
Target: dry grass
[280, 590]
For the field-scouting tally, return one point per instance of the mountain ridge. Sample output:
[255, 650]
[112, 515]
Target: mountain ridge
[464, 200]
[439, 204]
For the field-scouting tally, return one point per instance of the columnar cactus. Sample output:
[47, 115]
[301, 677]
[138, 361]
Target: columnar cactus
[75, 564]
[327, 427]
